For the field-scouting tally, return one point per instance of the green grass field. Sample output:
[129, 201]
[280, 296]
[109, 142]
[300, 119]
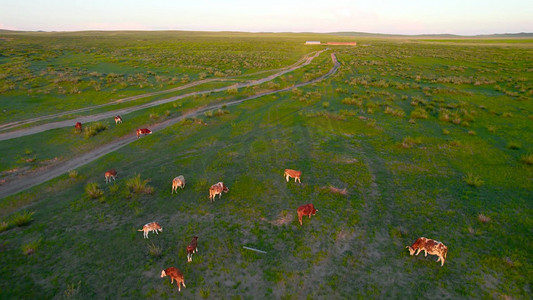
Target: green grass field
[428, 140]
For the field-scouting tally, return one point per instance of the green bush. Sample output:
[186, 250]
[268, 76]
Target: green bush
[139, 186]
[30, 248]
[527, 159]
[95, 129]
[22, 219]
[473, 180]
[4, 226]
[93, 190]
[419, 113]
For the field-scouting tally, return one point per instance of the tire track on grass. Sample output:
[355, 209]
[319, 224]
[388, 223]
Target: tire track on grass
[21, 184]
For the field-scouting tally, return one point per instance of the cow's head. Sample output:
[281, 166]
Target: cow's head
[411, 250]
[225, 188]
[163, 274]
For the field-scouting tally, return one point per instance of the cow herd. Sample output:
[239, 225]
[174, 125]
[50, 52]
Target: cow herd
[430, 246]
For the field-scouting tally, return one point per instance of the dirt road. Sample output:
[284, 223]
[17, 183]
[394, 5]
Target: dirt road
[31, 180]
[110, 114]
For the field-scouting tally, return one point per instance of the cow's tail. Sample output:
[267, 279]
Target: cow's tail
[140, 230]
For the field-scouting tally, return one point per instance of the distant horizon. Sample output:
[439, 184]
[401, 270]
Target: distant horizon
[274, 32]
[407, 17]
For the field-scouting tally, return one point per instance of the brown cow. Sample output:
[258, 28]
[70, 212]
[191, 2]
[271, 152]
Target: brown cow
[217, 189]
[429, 246]
[111, 174]
[149, 227]
[306, 210]
[292, 173]
[192, 248]
[118, 119]
[78, 127]
[178, 182]
[143, 131]
[174, 273]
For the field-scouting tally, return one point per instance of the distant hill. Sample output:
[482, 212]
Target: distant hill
[503, 35]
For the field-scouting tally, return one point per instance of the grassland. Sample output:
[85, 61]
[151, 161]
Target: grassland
[428, 140]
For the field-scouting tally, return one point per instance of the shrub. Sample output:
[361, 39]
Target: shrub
[473, 180]
[94, 129]
[527, 159]
[93, 190]
[22, 219]
[31, 247]
[408, 142]
[154, 251]
[4, 226]
[419, 113]
[154, 116]
[513, 145]
[72, 291]
[72, 173]
[139, 186]
[325, 104]
[445, 131]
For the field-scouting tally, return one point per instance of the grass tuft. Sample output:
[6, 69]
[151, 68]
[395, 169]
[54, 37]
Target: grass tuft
[514, 145]
[473, 180]
[95, 129]
[73, 174]
[4, 226]
[93, 190]
[139, 186]
[22, 219]
[154, 251]
[527, 159]
[31, 248]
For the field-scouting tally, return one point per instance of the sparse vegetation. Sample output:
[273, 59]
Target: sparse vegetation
[31, 247]
[388, 160]
[95, 129]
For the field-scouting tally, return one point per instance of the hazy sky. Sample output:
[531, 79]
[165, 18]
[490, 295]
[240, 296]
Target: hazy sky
[466, 17]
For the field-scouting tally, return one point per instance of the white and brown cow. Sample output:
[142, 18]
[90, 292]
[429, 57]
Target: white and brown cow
[306, 210]
[110, 174]
[292, 173]
[178, 182]
[149, 227]
[217, 189]
[118, 119]
[143, 131]
[429, 246]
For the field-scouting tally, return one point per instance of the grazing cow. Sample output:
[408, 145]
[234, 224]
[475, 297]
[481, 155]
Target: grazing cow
[306, 210]
[118, 119]
[153, 226]
[429, 246]
[192, 248]
[143, 131]
[111, 174]
[292, 173]
[176, 274]
[217, 189]
[78, 127]
[178, 182]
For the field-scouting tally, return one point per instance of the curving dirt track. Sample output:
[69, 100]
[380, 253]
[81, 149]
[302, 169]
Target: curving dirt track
[305, 60]
[31, 180]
